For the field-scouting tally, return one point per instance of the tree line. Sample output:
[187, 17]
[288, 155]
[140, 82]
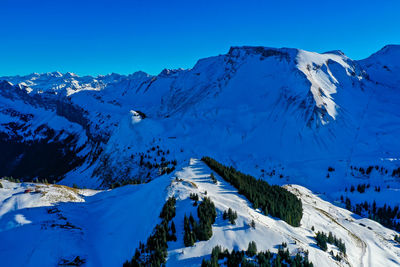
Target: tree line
[251, 257]
[386, 215]
[273, 200]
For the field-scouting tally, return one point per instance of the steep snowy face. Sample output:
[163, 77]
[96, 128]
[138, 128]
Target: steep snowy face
[268, 101]
[324, 84]
[383, 67]
[304, 82]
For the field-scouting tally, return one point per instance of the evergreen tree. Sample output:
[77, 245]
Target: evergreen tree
[207, 214]
[230, 215]
[173, 229]
[330, 238]
[201, 230]
[321, 241]
[189, 236]
[213, 178]
[251, 249]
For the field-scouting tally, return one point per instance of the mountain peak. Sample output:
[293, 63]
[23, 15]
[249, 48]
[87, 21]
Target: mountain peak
[70, 74]
[167, 72]
[389, 53]
[384, 65]
[335, 52]
[286, 53]
[390, 48]
[54, 74]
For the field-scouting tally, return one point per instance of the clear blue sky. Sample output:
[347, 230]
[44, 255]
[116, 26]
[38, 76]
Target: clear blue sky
[100, 37]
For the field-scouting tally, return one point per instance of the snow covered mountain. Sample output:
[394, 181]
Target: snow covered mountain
[271, 106]
[322, 121]
[51, 224]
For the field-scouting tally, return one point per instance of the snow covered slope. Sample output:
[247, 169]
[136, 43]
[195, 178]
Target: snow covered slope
[106, 227]
[367, 242]
[43, 228]
[266, 104]
[383, 66]
[284, 115]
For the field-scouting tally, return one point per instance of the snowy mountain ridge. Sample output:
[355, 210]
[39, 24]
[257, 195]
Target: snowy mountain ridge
[267, 105]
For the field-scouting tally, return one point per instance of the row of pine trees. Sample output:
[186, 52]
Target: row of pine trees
[273, 200]
[251, 257]
[386, 215]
